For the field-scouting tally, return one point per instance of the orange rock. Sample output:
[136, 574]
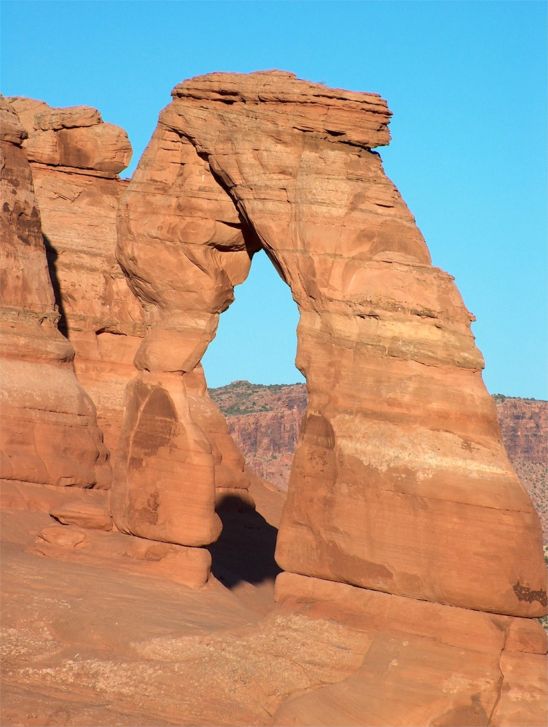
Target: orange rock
[164, 485]
[72, 137]
[84, 515]
[78, 209]
[192, 287]
[106, 326]
[524, 693]
[427, 663]
[16, 495]
[187, 566]
[404, 681]
[60, 536]
[49, 432]
[400, 481]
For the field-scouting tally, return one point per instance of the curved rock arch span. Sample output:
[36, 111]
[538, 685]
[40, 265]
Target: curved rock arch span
[400, 482]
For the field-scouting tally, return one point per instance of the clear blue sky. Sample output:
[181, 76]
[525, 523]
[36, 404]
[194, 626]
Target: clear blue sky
[466, 82]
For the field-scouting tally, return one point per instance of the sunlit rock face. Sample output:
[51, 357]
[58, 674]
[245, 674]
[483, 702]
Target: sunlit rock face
[400, 482]
[48, 432]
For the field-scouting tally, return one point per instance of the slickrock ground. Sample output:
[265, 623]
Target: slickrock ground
[265, 422]
[85, 642]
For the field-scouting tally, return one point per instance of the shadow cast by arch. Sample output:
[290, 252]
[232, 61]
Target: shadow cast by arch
[51, 257]
[245, 550]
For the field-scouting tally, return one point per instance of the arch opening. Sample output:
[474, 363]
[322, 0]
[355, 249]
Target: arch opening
[250, 370]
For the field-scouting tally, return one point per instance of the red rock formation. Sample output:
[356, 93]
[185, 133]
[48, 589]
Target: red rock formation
[400, 483]
[524, 427]
[428, 664]
[74, 137]
[400, 473]
[78, 192]
[49, 433]
[265, 421]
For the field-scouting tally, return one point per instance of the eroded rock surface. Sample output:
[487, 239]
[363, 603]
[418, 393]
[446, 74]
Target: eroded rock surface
[400, 450]
[413, 559]
[265, 422]
[78, 193]
[73, 137]
[49, 432]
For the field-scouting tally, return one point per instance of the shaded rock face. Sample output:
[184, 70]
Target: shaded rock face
[400, 481]
[78, 192]
[524, 427]
[79, 197]
[49, 432]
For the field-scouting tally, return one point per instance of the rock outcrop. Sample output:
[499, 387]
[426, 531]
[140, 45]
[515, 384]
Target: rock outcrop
[75, 159]
[524, 427]
[79, 194]
[264, 421]
[400, 481]
[413, 564]
[49, 432]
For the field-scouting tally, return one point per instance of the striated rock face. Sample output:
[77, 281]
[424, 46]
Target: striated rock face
[412, 553]
[400, 481]
[524, 428]
[74, 137]
[78, 195]
[48, 433]
[265, 422]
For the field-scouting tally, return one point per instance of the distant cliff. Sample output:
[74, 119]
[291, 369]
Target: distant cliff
[265, 420]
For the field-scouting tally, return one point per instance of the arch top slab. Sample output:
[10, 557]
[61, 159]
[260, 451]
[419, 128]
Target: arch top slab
[400, 481]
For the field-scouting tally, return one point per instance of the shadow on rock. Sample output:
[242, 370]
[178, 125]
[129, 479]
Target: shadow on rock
[51, 257]
[245, 549]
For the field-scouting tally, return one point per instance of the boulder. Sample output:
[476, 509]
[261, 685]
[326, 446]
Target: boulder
[73, 137]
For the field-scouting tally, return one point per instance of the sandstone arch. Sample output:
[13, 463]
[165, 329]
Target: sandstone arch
[400, 483]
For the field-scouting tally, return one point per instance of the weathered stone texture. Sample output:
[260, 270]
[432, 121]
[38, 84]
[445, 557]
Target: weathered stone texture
[400, 481]
[49, 433]
[78, 205]
[73, 137]
[404, 519]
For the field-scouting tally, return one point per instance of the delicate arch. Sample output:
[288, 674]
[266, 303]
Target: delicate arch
[400, 472]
